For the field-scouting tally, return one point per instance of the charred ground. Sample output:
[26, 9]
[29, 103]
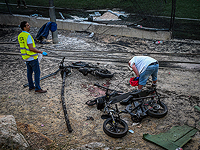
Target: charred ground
[178, 83]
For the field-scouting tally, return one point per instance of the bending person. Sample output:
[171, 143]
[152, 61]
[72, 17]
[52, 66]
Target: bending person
[144, 67]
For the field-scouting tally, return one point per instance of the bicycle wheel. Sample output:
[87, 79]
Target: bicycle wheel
[156, 109]
[115, 130]
[104, 73]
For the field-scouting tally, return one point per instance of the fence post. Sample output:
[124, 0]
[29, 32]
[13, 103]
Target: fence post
[8, 7]
[53, 19]
[171, 28]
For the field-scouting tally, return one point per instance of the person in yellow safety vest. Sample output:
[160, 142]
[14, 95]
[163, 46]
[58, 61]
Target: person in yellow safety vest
[29, 54]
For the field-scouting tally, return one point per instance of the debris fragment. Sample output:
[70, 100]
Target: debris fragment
[179, 148]
[159, 42]
[62, 16]
[134, 124]
[91, 35]
[131, 131]
[197, 107]
[139, 26]
[89, 118]
[139, 126]
[60, 135]
[36, 15]
[175, 138]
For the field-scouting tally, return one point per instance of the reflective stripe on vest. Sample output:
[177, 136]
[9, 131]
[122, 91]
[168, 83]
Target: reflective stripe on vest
[24, 49]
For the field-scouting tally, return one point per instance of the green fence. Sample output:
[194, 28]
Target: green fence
[180, 16]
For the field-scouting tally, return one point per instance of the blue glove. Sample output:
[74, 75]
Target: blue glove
[44, 53]
[137, 78]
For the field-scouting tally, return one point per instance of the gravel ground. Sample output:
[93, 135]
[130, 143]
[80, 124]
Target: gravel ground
[178, 83]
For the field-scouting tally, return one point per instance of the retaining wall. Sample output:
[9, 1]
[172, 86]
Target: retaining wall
[7, 19]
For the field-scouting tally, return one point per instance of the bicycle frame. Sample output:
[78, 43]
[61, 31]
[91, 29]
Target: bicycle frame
[114, 126]
[136, 105]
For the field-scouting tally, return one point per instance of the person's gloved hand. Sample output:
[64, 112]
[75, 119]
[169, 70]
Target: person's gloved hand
[136, 78]
[44, 53]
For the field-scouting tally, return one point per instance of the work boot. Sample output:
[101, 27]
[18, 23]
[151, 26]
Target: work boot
[32, 89]
[41, 91]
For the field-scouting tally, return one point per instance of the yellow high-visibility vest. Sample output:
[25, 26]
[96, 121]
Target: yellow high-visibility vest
[24, 49]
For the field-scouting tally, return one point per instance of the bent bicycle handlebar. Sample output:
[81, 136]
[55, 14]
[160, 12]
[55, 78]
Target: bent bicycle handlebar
[25, 85]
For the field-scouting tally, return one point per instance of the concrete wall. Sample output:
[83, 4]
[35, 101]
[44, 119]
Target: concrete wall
[7, 19]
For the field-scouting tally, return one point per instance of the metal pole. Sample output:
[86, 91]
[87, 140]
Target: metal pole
[53, 19]
[171, 28]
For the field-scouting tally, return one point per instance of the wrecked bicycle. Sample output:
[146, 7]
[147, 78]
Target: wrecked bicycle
[139, 105]
[86, 68]
[145, 103]
[83, 67]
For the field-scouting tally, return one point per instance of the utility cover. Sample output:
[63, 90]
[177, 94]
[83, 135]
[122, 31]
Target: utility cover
[176, 137]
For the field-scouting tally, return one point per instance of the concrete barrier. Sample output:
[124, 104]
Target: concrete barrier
[7, 19]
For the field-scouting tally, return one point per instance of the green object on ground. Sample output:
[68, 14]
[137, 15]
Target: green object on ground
[176, 137]
[197, 107]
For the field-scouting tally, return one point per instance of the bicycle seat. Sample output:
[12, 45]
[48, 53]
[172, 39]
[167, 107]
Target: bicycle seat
[84, 71]
[133, 94]
[118, 98]
[80, 64]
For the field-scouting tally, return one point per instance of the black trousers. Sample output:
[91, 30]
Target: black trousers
[23, 1]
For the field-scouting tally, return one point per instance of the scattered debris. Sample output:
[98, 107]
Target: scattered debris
[77, 95]
[139, 26]
[109, 15]
[179, 148]
[60, 135]
[176, 137]
[96, 14]
[62, 16]
[89, 118]
[159, 42]
[36, 15]
[134, 124]
[131, 131]
[118, 14]
[91, 35]
[139, 126]
[197, 107]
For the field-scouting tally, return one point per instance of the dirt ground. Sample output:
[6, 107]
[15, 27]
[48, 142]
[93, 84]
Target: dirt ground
[42, 114]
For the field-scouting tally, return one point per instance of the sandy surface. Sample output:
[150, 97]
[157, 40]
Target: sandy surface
[178, 83]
